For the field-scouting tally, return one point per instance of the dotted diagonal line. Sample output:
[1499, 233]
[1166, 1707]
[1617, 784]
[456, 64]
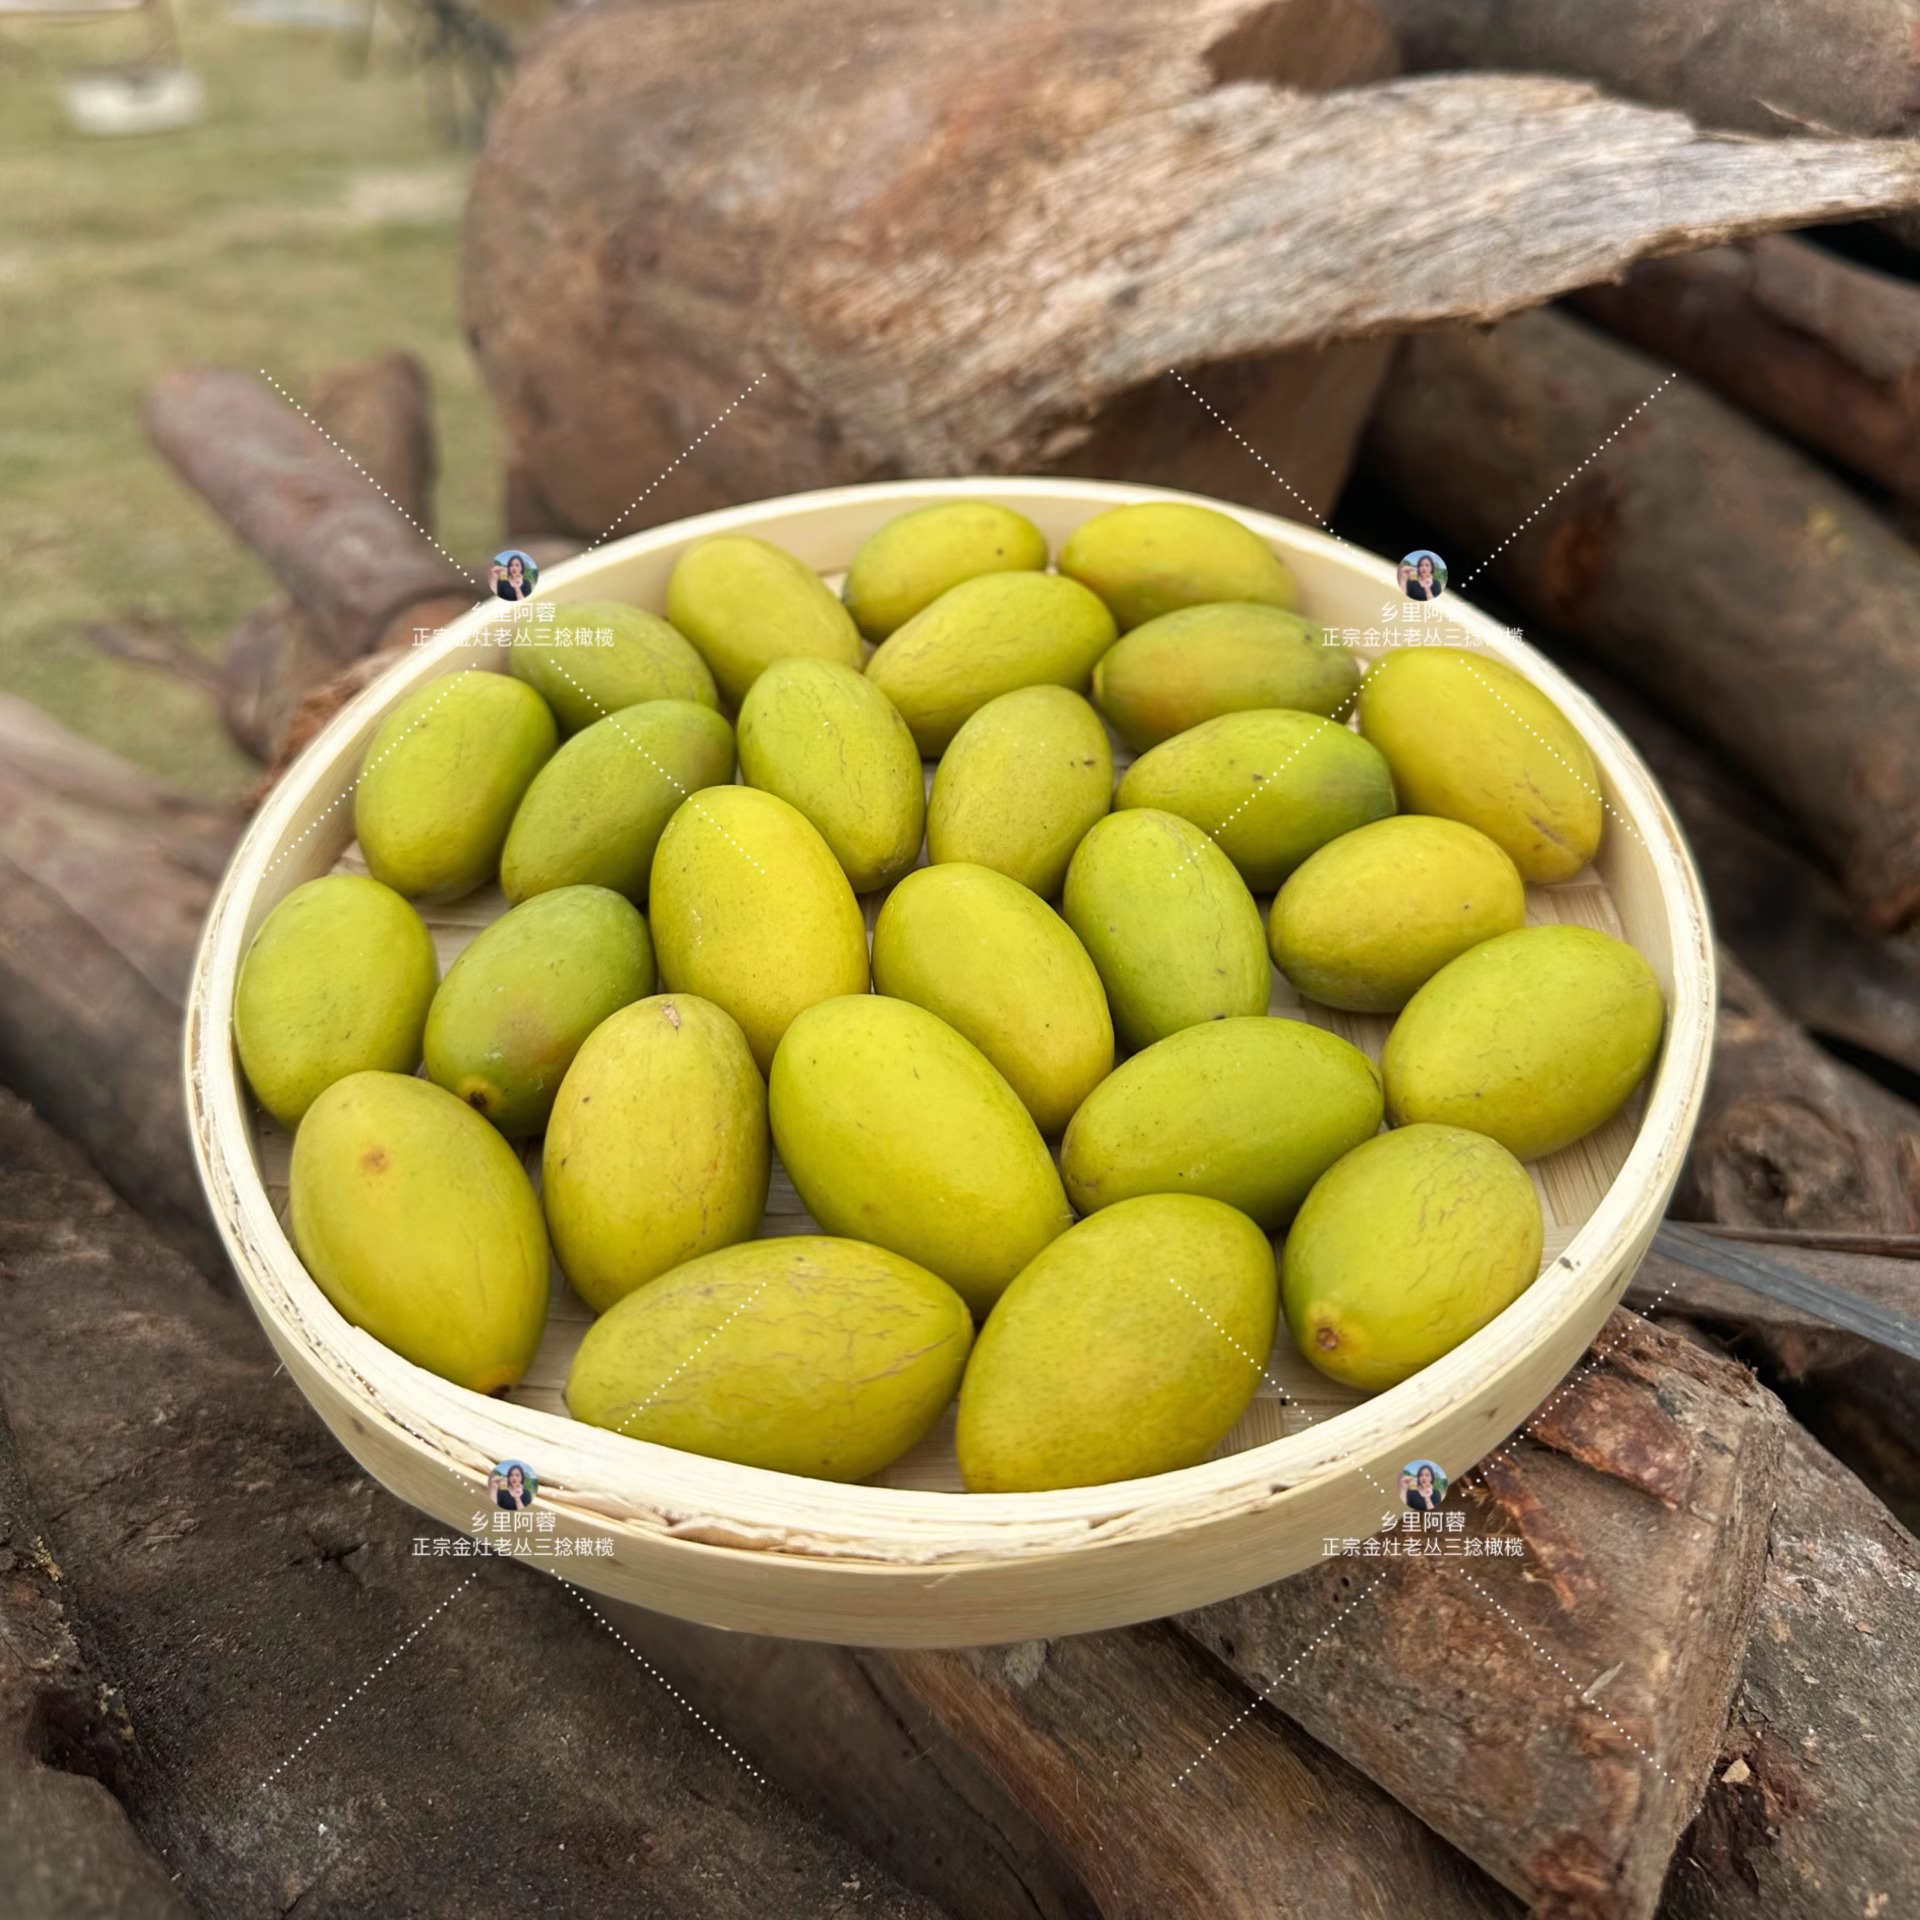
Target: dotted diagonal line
[1260, 1698]
[1569, 480]
[367, 477]
[371, 1678]
[685, 1704]
[1174, 373]
[1580, 1693]
[418, 720]
[681, 455]
[690, 1359]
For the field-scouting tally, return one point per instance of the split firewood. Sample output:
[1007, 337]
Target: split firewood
[1823, 66]
[975, 231]
[1805, 1819]
[1554, 1713]
[320, 1708]
[1771, 611]
[1826, 350]
[105, 877]
[352, 561]
[1790, 1136]
[1772, 903]
[1153, 1778]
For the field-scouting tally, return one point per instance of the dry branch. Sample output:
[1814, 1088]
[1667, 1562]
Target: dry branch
[1713, 566]
[973, 231]
[381, 413]
[1824, 349]
[1552, 1714]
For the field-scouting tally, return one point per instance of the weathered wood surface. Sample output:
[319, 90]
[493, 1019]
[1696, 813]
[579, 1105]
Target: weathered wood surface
[1146, 1766]
[1818, 66]
[1719, 570]
[105, 877]
[1791, 1137]
[1773, 905]
[1552, 1714]
[1812, 1808]
[966, 233]
[380, 411]
[321, 1719]
[346, 554]
[1826, 350]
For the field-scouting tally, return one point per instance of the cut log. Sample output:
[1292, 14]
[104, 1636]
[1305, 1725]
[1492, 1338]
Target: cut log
[349, 557]
[1826, 350]
[1146, 1767]
[1553, 1714]
[105, 877]
[322, 1709]
[1820, 66]
[1772, 612]
[380, 411]
[1772, 903]
[1791, 1137]
[1805, 1819]
[974, 231]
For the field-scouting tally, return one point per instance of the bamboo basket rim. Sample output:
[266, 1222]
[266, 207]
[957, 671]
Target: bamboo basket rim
[612, 1483]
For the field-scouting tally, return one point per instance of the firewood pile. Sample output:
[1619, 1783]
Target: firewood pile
[1544, 286]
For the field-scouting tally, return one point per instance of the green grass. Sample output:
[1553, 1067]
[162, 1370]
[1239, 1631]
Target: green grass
[312, 217]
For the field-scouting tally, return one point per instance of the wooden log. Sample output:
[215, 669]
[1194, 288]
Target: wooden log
[380, 411]
[1143, 1763]
[350, 558]
[105, 877]
[1772, 903]
[1553, 1714]
[974, 231]
[1805, 1819]
[1772, 612]
[1791, 1137]
[1826, 350]
[322, 1709]
[1822, 66]
[67, 1749]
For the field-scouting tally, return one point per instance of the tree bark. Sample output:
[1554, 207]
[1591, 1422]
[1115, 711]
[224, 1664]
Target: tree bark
[105, 877]
[1771, 610]
[1827, 351]
[970, 233]
[380, 411]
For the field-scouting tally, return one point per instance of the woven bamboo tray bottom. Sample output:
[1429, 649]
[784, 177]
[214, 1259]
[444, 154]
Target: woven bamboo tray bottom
[1570, 1184]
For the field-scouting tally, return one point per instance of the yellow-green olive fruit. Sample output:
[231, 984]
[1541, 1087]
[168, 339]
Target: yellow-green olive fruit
[751, 910]
[802, 1354]
[1269, 787]
[657, 1149]
[1409, 1244]
[642, 659]
[1022, 782]
[984, 638]
[745, 603]
[1533, 1038]
[1230, 657]
[1129, 1346]
[828, 741]
[519, 1003]
[1160, 555]
[338, 980]
[1472, 740]
[1001, 968]
[906, 565]
[418, 1222]
[443, 778]
[896, 1130]
[1169, 924]
[1373, 916]
[597, 809]
[1251, 1111]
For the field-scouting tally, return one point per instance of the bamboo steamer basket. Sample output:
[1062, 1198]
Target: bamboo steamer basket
[911, 1560]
